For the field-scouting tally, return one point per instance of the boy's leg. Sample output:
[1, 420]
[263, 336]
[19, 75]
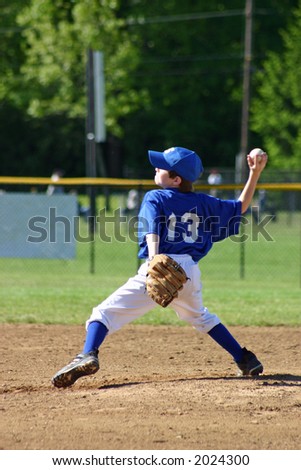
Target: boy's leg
[85, 363]
[96, 333]
[123, 306]
[189, 307]
[126, 304]
[246, 361]
[223, 337]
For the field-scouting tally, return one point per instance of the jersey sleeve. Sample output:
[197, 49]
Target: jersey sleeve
[227, 222]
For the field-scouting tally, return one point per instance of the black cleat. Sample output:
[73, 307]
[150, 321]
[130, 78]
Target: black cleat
[82, 364]
[249, 364]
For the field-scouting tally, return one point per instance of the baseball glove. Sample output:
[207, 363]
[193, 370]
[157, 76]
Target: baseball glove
[164, 279]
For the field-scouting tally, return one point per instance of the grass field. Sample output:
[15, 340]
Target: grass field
[64, 291]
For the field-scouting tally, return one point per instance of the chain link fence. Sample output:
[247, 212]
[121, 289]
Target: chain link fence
[46, 236]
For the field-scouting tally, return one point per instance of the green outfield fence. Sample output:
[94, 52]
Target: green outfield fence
[105, 246]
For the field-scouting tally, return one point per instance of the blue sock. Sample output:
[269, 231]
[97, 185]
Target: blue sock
[223, 337]
[96, 333]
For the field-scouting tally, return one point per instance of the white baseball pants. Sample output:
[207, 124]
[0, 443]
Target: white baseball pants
[132, 301]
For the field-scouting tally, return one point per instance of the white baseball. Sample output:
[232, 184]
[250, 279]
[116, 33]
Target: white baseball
[255, 152]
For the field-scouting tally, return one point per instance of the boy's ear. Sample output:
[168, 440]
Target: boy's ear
[177, 180]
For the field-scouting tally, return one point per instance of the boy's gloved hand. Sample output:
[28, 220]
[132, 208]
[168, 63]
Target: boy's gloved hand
[164, 279]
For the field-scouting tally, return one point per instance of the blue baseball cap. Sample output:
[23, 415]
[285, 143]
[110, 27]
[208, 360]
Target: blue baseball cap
[184, 162]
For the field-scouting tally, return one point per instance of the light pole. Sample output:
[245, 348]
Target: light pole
[246, 86]
[241, 163]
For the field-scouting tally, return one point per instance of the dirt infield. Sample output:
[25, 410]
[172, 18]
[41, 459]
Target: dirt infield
[158, 388]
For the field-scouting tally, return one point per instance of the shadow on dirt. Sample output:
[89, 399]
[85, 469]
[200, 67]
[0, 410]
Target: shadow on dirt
[271, 380]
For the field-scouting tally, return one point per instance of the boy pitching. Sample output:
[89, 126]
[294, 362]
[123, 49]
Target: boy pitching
[183, 224]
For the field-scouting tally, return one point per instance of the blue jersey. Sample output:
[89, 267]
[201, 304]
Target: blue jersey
[187, 223]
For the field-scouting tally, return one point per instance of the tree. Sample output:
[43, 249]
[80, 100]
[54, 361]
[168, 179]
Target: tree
[276, 111]
[58, 35]
[10, 46]
[51, 78]
[173, 76]
[192, 63]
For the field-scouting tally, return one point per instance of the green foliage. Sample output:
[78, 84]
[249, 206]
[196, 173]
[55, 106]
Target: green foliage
[57, 37]
[173, 76]
[10, 47]
[276, 111]
[183, 62]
